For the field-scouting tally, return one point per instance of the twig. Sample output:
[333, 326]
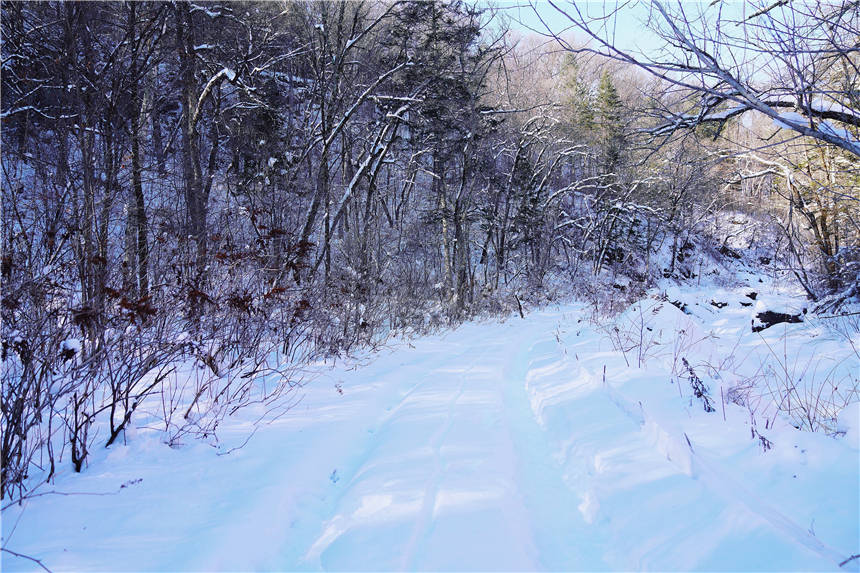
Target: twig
[764, 11]
[54, 492]
[840, 316]
[34, 560]
[519, 306]
[852, 558]
[239, 447]
[688, 442]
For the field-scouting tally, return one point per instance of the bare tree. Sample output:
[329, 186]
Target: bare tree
[767, 57]
[795, 64]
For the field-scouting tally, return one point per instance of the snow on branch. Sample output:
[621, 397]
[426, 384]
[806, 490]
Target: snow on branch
[34, 109]
[798, 120]
[377, 152]
[205, 10]
[361, 99]
[696, 61]
[225, 73]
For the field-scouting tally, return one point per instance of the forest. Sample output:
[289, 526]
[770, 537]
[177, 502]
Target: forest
[251, 186]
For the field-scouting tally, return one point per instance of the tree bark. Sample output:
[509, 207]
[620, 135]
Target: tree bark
[193, 185]
[137, 212]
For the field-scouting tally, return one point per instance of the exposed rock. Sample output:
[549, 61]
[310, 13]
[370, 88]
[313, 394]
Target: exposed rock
[728, 252]
[768, 318]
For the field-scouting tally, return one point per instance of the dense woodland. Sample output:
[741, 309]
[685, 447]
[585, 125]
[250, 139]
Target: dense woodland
[247, 185]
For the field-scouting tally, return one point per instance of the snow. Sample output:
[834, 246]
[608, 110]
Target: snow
[523, 444]
[792, 117]
[227, 73]
[726, 113]
[823, 127]
[841, 132]
[820, 104]
[72, 345]
[209, 13]
[849, 422]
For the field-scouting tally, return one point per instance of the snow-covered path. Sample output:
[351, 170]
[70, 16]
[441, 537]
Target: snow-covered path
[492, 447]
[457, 461]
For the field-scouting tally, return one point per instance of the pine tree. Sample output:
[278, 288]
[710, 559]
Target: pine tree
[610, 129]
[579, 102]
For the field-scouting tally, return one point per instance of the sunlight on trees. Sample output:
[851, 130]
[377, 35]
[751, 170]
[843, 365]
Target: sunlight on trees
[242, 187]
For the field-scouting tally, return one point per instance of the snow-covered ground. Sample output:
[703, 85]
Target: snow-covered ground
[549, 442]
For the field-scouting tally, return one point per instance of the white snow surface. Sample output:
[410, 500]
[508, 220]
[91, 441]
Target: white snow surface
[524, 444]
[793, 117]
[71, 345]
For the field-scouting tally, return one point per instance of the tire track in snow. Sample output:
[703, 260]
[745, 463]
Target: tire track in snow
[559, 529]
[561, 538]
[336, 522]
[432, 487]
[348, 452]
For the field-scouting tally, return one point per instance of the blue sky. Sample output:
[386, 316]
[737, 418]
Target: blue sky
[629, 28]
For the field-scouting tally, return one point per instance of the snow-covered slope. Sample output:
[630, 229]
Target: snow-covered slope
[518, 445]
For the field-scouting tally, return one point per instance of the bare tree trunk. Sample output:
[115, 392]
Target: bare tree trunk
[194, 199]
[325, 191]
[501, 251]
[137, 212]
[442, 202]
[461, 236]
[158, 142]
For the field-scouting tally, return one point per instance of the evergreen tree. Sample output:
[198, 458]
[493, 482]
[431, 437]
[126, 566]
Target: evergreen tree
[610, 129]
[579, 100]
